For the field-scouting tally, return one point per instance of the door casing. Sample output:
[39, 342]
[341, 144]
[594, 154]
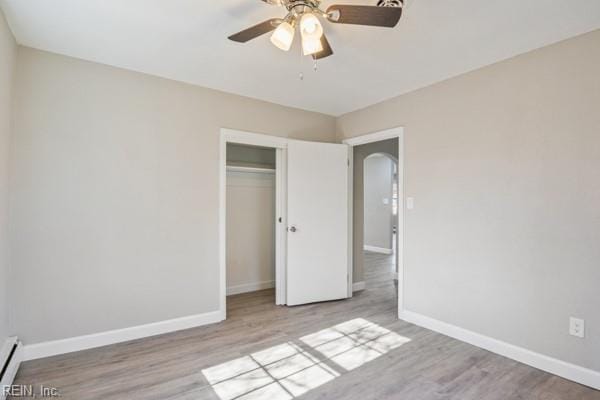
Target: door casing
[280, 145]
[392, 133]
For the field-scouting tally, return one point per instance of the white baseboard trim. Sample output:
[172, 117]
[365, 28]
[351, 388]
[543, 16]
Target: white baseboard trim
[62, 346]
[358, 286]
[250, 287]
[381, 250]
[552, 365]
[12, 368]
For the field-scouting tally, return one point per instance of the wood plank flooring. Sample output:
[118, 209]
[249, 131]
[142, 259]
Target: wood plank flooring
[351, 349]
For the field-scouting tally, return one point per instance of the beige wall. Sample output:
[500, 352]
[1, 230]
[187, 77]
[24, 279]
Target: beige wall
[115, 193]
[504, 166]
[7, 62]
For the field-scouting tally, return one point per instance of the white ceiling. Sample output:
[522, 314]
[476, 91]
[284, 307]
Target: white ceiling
[186, 40]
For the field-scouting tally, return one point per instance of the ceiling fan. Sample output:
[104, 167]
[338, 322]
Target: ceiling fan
[306, 13]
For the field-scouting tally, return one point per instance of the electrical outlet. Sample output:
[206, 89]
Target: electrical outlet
[410, 203]
[576, 327]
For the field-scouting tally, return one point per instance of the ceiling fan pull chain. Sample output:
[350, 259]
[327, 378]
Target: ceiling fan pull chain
[315, 64]
[301, 75]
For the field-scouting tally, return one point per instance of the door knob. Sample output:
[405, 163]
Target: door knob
[292, 228]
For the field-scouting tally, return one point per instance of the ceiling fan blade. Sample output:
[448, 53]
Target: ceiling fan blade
[255, 31]
[364, 15]
[326, 52]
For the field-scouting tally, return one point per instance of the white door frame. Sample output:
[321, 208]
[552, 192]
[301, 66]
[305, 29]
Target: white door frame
[392, 133]
[254, 139]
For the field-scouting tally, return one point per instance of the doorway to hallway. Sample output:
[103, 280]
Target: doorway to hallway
[380, 206]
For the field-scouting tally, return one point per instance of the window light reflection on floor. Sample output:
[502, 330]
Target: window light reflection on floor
[291, 369]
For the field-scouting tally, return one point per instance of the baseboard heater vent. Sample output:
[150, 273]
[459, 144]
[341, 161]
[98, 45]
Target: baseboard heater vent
[10, 359]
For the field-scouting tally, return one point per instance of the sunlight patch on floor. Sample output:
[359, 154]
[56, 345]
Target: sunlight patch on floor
[354, 343]
[290, 369]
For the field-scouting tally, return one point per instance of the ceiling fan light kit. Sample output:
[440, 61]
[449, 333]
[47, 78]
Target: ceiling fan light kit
[311, 31]
[310, 26]
[306, 13]
[311, 46]
[283, 36]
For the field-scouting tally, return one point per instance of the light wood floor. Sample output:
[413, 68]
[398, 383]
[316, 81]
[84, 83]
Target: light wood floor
[405, 362]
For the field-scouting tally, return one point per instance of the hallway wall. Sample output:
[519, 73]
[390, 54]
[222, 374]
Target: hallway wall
[378, 216]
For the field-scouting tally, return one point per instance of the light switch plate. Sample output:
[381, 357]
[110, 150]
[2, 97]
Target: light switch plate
[410, 203]
[576, 327]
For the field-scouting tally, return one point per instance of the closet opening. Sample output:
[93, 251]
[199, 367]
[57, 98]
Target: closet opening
[251, 215]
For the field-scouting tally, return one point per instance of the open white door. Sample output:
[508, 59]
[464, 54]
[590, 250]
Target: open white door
[317, 240]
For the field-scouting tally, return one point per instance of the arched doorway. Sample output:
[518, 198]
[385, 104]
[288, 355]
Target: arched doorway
[380, 211]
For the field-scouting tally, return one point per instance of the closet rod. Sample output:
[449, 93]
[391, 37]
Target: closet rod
[261, 170]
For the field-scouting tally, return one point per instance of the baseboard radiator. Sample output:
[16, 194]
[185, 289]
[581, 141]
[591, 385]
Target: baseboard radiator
[10, 359]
